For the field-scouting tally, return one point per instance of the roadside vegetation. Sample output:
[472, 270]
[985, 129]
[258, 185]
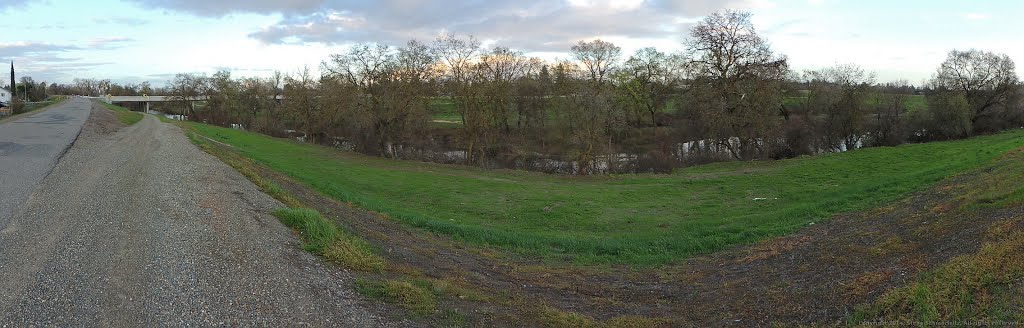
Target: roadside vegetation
[20, 108]
[324, 238]
[125, 116]
[647, 219]
[320, 236]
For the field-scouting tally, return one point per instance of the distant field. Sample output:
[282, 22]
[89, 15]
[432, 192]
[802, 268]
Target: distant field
[442, 110]
[629, 219]
[913, 103]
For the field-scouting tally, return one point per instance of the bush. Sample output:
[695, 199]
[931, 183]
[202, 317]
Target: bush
[655, 161]
[17, 106]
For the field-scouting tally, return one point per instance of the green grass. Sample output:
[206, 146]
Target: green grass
[412, 296]
[628, 219]
[324, 238]
[985, 284]
[125, 116]
[913, 102]
[443, 109]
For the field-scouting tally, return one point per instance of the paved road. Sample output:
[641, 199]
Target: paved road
[31, 146]
[140, 228]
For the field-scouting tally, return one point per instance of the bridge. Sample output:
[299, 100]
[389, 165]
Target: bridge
[146, 99]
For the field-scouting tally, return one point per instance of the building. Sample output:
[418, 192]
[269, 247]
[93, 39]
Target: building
[5, 97]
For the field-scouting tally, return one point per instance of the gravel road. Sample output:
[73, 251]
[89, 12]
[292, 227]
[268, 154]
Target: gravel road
[29, 148]
[138, 227]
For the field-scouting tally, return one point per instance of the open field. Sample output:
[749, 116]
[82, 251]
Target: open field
[630, 219]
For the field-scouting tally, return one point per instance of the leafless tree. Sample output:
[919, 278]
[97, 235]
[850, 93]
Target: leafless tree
[389, 89]
[598, 57]
[985, 79]
[187, 89]
[500, 69]
[651, 78]
[302, 105]
[841, 94]
[737, 84]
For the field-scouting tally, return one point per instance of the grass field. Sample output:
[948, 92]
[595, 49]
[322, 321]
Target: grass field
[628, 219]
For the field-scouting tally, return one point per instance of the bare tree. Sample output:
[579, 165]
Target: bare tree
[458, 56]
[500, 68]
[651, 78]
[301, 101]
[985, 79]
[737, 84]
[389, 90]
[598, 57]
[187, 89]
[841, 94]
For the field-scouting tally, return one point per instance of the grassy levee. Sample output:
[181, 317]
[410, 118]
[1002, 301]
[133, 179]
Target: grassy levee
[981, 286]
[641, 219]
[124, 115]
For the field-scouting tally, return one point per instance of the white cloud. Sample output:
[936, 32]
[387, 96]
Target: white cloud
[977, 16]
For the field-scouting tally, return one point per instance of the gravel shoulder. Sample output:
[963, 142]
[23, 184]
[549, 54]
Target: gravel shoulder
[138, 227]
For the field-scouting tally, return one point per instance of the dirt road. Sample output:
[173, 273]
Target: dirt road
[138, 227]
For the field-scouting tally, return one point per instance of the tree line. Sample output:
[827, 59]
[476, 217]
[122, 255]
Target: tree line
[728, 95]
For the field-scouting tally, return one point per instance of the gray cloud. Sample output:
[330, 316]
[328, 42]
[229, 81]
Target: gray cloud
[21, 49]
[218, 8]
[530, 25]
[5, 4]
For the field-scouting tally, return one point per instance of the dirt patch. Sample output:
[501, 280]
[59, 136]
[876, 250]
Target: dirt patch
[101, 121]
[818, 275]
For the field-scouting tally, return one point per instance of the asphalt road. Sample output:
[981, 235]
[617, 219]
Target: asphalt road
[138, 227]
[30, 147]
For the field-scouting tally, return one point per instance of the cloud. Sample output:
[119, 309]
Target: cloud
[21, 49]
[219, 8]
[529, 25]
[120, 21]
[976, 16]
[109, 43]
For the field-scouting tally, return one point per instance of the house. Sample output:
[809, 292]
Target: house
[5, 97]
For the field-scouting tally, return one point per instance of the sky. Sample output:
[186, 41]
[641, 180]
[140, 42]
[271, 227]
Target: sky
[130, 41]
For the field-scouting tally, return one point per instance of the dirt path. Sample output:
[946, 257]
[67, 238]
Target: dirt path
[138, 227]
